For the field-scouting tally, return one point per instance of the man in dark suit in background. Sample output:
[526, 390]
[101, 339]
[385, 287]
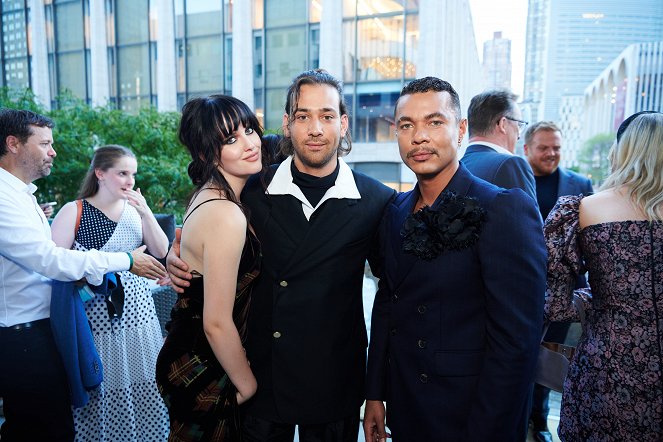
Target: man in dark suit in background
[317, 224]
[495, 124]
[456, 322]
[543, 146]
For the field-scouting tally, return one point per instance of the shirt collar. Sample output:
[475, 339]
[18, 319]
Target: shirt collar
[16, 183]
[495, 147]
[344, 187]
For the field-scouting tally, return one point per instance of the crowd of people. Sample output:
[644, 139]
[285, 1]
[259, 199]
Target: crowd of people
[268, 336]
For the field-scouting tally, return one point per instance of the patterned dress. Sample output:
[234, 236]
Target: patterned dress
[201, 399]
[614, 389]
[127, 406]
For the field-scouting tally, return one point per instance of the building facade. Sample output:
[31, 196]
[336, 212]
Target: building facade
[633, 82]
[497, 62]
[137, 53]
[569, 43]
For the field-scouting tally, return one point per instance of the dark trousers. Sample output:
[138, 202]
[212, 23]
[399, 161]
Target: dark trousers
[557, 332]
[34, 386]
[255, 429]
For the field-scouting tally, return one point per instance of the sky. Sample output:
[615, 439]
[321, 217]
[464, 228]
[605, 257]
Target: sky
[510, 17]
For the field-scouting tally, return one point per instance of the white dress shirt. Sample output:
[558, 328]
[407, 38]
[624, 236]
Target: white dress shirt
[29, 259]
[344, 187]
[495, 147]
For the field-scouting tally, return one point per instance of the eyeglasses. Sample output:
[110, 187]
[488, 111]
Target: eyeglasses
[521, 123]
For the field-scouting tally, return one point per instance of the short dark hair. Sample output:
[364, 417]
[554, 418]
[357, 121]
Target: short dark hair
[17, 122]
[313, 77]
[540, 125]
[487, 109]
[427, 84]
[206, 122]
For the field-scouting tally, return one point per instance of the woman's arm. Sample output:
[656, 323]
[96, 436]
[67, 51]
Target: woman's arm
[62, 228]
[153, 236]
[223, 226]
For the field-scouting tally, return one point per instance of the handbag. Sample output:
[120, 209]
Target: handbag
[552, 364]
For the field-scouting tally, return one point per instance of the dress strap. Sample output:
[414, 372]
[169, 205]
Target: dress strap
[206, 201]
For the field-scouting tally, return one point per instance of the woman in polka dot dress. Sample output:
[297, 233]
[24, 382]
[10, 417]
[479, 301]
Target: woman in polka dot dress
[115, 217]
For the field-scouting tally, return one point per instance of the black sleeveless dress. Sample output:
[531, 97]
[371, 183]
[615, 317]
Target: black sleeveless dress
[200, 398]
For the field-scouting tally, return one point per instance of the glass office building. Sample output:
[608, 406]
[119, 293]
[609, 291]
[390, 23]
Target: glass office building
[137, 53]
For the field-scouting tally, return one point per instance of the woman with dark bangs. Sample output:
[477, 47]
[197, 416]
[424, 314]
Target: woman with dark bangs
[202, 371]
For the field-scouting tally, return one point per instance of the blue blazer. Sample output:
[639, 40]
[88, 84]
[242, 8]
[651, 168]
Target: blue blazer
[571, 183]
[454, 340]
[73, 338]
[502, 170]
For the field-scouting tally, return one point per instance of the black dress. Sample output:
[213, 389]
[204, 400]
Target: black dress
[200, 398]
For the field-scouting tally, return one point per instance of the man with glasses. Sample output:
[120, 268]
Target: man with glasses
[495, 125]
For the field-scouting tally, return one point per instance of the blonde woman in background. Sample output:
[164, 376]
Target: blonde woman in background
[614, 389]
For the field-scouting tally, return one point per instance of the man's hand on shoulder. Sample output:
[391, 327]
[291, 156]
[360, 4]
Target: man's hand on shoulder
[178, 270]
[146, 265]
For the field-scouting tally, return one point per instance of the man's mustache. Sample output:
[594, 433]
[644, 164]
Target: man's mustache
[414, 152]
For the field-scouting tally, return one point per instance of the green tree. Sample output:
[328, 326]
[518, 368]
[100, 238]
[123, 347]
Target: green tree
[79, 128]
[593, 157]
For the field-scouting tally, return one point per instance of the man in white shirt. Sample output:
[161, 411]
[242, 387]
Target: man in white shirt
[495, 124]
[33, 384]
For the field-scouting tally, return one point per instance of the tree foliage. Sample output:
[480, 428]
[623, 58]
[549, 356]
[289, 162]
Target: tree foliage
[79, 128]
[593, 157]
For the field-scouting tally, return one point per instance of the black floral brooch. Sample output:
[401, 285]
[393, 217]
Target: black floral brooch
[454, 225]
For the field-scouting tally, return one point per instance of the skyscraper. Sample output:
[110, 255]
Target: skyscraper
[497, 62]
[569, 43]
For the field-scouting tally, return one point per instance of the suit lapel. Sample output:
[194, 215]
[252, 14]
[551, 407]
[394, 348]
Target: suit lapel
[565, 185]
[326, 223]
[398, 260]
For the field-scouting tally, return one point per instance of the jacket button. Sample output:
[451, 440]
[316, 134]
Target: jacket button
[421, 343]
[283, 283]
[421, 309]
[277, 334]
[394, 298]
[423, 378]
[393, 331]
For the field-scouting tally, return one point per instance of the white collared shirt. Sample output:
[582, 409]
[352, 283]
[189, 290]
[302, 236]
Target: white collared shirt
[495, 147]
[29, 259]
[344, 187]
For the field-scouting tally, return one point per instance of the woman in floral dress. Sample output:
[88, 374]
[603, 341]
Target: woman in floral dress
[614, 389]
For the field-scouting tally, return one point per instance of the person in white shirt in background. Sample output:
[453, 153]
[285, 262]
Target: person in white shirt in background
[33, 383]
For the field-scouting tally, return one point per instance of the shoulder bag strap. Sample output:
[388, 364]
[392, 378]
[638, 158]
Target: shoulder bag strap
[79, 213]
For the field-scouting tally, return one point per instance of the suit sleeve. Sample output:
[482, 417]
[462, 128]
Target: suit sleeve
[513, 264]
[379, 342]
[516, 173]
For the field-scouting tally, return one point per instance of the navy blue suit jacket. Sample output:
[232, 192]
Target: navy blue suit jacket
[571, 183]
[500, 169]
[454, 340]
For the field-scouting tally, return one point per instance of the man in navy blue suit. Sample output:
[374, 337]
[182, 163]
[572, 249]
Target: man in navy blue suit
[495, 124]
[543, 147]
[457, 319]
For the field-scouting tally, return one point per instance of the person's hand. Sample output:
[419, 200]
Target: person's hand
[48, 209]
[178, 270]
[374, 422]
[137, 200]
[146, 265]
